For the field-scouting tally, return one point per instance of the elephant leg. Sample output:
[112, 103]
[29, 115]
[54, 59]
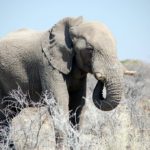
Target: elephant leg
[59, 89]
[53, 81]
[62, 98]
[77, 102]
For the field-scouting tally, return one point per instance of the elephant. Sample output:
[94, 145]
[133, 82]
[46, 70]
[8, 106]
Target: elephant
[58, 61]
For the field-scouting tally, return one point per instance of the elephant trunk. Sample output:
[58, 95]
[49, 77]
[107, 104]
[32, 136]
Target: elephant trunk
[114, 89]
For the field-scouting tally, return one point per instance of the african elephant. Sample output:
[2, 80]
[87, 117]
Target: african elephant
[58, 60]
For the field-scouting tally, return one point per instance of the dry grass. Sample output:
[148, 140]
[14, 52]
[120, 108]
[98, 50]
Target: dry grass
[125, 128]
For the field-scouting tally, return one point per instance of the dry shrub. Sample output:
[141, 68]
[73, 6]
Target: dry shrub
[125, 128]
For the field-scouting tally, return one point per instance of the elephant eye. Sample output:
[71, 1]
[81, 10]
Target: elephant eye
[90, 48]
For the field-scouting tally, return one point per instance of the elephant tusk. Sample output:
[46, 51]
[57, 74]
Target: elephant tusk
[99, 76]
[131, 73]
[128, 72]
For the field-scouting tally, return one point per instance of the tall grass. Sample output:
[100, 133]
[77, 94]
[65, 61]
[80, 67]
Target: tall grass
[125, 128]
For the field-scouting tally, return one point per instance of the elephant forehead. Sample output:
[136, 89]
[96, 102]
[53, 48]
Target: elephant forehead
[93, 28]
[96, 32]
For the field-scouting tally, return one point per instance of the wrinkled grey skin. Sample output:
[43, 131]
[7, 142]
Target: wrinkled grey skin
[58, 60]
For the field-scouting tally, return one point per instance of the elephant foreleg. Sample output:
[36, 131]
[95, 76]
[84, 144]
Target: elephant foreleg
[76, 102]
[53, 81]
[60, 92]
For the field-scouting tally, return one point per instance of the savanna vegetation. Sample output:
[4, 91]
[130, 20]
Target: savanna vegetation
[125, 128]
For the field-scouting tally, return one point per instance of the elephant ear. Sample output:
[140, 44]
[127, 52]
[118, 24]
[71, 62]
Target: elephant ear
[57, 44]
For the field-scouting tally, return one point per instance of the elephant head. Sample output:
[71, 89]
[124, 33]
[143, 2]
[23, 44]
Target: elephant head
[94, 49]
